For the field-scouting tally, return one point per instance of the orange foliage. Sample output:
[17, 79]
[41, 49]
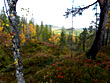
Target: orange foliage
[32, 30]
[22, 37]
[1, 28]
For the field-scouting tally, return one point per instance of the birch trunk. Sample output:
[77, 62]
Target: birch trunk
[15, 40]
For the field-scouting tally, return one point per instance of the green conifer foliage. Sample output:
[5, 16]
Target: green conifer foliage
[63, 38]
[83, 38]
[37, 32]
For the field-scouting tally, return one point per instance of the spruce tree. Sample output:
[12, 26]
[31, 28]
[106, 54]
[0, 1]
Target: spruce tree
[83, 38]
[37, 32]
[50, 31]
[62, 38]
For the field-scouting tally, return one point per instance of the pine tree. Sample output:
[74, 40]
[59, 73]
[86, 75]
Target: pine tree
[50, 31]
[45, 33]
[41, 31]
[42, 26]
[69, 38]
[62, 38]
[91, 36]
[37, 32]
[83, 38]
[53, 37]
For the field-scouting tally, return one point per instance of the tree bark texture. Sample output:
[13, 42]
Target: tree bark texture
[109, 38]
[104, 7]
[15, 40]
[103, 39]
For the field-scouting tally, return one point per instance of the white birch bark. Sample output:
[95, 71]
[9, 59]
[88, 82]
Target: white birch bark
[15, 40]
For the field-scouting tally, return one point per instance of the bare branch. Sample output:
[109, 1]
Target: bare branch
[87, 6]
[81, 9]
[77, 10]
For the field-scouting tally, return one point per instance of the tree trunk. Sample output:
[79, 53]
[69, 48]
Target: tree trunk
[15, 40]
[106, 42]
[103, 39]
[37, 33]
[71, 46]
[99, 35]
[109, 38]
[83, 45]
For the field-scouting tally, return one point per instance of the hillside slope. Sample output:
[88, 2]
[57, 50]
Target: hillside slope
[44, 63]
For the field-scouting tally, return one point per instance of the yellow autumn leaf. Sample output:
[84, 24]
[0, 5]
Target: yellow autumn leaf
[20, 35]
[57, 38]
[17, 49]
[11, 15]
[1, 28]
[16, 62]
[12, 36]
[108, 12]
[7, 25]
[6, 18]
[6, 44]
[33, 40]
[14, 5]
[3, 24]
[23, 41]
[50, 39]
[22, 25]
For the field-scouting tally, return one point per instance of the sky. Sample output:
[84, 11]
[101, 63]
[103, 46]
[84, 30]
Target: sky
[51, 12]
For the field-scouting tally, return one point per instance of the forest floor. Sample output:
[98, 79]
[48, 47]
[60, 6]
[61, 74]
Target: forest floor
[45, 63]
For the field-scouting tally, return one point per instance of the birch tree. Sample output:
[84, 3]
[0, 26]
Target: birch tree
[15, 40]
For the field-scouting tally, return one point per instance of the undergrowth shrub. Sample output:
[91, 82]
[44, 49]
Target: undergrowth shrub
[78, 70]
[37, 61]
